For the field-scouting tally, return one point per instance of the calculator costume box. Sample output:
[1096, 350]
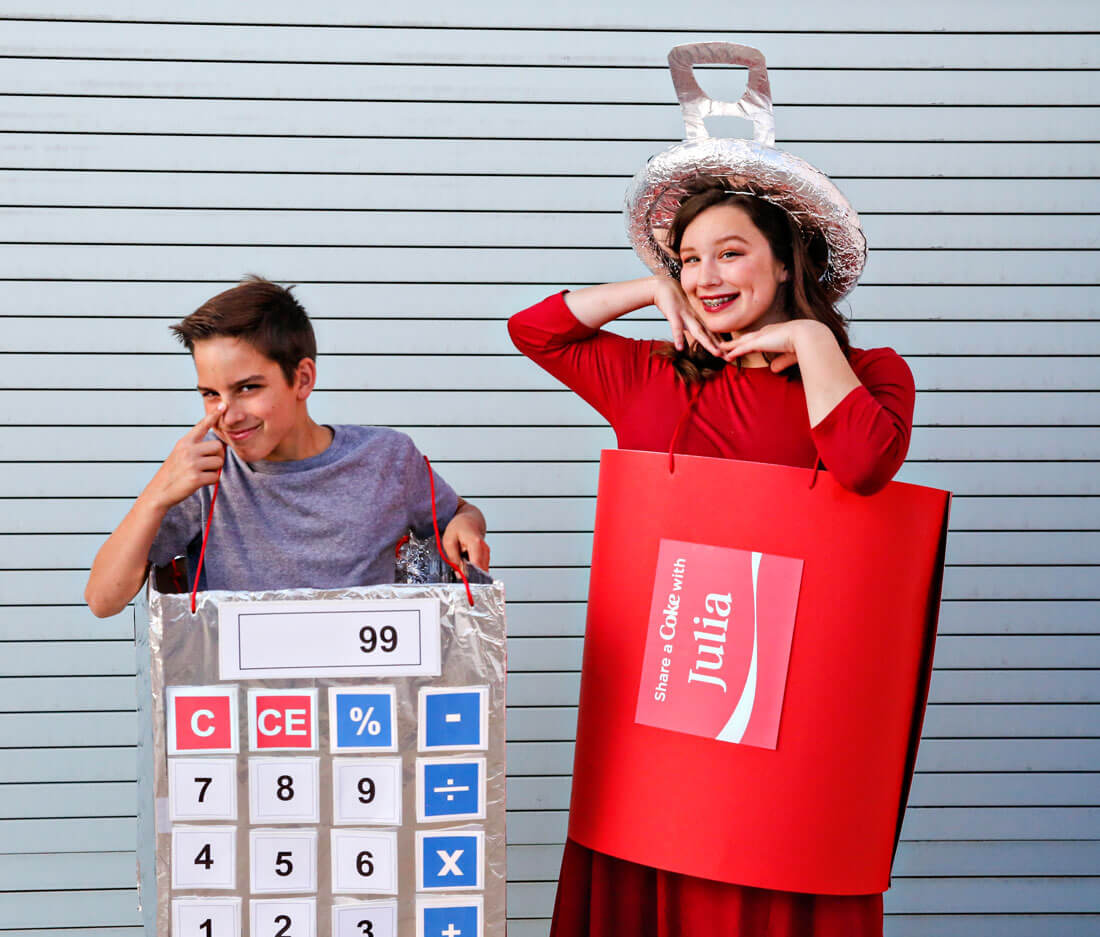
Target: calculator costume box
[323, 763]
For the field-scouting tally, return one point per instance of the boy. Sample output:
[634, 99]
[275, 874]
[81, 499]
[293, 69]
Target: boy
[300, 504]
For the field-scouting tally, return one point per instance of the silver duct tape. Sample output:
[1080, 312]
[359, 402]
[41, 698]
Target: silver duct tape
[183, 651]
[755, 166]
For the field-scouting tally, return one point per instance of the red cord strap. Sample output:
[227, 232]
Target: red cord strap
[439, 542]
[696, 391]
[205, 536]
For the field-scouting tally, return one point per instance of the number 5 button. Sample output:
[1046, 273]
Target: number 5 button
[283, 861]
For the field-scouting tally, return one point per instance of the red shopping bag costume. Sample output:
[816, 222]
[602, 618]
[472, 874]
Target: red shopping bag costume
[848, 586]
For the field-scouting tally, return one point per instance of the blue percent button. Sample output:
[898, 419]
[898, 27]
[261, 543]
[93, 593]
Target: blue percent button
[363, 721]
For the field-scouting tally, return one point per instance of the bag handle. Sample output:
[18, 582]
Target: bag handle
[696, 104]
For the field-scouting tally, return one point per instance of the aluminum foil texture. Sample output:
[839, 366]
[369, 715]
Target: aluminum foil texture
[182, 650]
[754, 166]
[418, 561]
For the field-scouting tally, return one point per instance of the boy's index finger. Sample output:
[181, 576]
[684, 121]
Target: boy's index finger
[200, 429]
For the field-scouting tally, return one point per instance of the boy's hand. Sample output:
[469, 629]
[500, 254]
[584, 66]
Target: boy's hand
[193, 462]
[464, 537]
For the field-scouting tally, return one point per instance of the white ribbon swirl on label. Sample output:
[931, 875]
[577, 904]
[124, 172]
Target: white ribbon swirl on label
[734, 730]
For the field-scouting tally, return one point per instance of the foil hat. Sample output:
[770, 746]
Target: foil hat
[753, 167]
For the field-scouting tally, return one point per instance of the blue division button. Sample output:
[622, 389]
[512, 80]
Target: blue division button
[453, 717]
[361, 719]
[449, 859]
[448, 916]
[450, 789]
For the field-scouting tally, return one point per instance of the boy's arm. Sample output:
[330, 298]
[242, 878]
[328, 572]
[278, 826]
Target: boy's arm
[465, 536]
[120, 565]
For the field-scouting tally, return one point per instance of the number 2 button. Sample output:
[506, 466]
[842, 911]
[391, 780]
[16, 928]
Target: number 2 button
[284, 917]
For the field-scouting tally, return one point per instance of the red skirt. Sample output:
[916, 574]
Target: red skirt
[601, 896]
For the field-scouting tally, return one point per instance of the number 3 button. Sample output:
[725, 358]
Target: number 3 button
[283, 861]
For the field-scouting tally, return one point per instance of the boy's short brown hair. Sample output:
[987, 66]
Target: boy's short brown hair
[264, 314]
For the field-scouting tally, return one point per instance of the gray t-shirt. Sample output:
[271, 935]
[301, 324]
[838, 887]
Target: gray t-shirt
[329, 521]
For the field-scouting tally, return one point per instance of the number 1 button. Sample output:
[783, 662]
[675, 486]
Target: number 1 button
[206, 917]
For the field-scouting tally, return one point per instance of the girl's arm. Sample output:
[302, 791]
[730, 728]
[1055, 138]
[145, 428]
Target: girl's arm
[595, 306]
[826, 374]
[861, 423]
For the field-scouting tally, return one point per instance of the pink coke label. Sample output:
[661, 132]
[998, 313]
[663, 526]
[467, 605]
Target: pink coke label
[718, 642]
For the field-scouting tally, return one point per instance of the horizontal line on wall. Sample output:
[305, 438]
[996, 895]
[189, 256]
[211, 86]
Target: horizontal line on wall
[457, 27]
[327, 209]
[666, 141]
[477, 175]
[552, 284]
[586, 66]
[566, 102]
[625, 248]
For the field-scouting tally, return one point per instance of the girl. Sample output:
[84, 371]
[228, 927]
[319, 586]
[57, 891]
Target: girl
[759, 369]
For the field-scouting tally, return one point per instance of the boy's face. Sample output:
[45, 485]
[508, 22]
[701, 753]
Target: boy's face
[264, 415]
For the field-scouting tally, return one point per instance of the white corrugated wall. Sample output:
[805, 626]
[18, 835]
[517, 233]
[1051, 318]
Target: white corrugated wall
[421, 176]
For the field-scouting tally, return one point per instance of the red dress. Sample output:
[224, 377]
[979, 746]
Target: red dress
[755, 415]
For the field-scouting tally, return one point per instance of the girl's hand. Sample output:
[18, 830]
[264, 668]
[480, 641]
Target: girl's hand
[782, 339]
[674, 306]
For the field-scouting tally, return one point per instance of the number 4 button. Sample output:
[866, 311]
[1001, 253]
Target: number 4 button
[204, 857]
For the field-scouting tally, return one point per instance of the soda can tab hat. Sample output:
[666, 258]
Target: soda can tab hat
[753, 167]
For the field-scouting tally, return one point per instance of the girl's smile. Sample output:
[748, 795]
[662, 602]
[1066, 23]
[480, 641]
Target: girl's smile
[729, 273]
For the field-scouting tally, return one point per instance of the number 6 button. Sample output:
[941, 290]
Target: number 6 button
[364, 861]
[283, 861]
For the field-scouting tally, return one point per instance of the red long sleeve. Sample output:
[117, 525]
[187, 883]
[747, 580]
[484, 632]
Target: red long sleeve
[750, 414]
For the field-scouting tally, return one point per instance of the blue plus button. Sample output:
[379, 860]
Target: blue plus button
[450, 922]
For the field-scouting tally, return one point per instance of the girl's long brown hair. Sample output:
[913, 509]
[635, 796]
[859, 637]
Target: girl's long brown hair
[804, 295]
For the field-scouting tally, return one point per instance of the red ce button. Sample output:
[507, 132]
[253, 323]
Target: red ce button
[282, 720]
